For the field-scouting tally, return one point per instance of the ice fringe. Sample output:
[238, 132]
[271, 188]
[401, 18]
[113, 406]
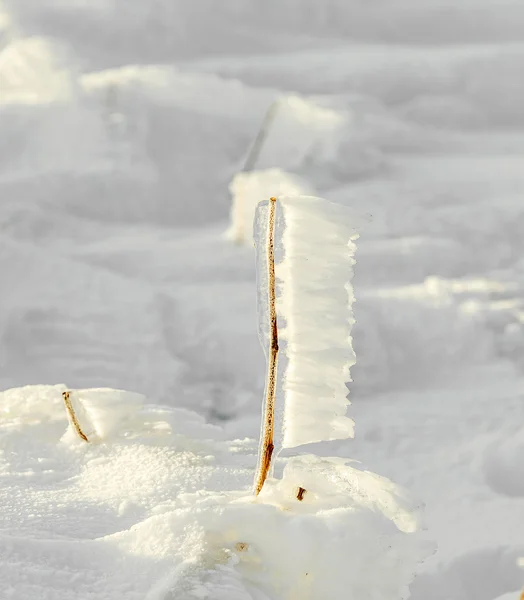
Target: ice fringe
[249, 188]
[314, 306]
[98, 414]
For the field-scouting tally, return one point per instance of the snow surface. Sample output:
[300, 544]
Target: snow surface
[122, 124]
[155, 506]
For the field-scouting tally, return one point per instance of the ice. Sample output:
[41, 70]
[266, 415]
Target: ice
[314, 302]
[100, 413]
[31, 73]
[249, 188]
[314, 299]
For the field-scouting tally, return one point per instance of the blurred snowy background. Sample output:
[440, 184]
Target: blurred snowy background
[122, 124]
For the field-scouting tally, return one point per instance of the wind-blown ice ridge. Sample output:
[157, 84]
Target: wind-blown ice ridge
[159, 508]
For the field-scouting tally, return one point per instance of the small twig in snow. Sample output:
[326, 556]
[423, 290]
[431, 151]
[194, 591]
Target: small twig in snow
[72, 416]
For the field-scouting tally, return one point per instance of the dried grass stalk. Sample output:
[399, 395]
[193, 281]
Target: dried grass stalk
[72, 416]
[268, 429]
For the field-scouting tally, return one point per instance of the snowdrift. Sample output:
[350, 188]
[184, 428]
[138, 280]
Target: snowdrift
[157, 507]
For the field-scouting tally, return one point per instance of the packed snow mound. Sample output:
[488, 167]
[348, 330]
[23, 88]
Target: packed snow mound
[5, 22]
[33, 71]
[59, 150]
[249, 188]
[32, 404]
[46, 128]
[324, 530]
[157, 507]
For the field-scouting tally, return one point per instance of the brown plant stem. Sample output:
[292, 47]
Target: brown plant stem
[268, 429]
[72, 416]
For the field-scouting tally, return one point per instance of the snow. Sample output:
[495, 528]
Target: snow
[503, 464]
[122, 125]
[156, 507]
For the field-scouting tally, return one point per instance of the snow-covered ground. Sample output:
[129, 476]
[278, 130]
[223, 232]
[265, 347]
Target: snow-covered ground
[122, 124]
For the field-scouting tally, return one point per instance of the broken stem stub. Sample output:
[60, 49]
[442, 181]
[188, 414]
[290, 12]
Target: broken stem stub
[268, 429]
[72, 416]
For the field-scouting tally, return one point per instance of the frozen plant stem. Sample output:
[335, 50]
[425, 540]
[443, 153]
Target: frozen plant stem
[268, 429]
[72, 416]
[249, 165]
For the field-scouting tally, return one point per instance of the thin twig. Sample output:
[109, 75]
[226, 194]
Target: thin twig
[72, 416]
[268, 430]
[249, 165]
[255, 149]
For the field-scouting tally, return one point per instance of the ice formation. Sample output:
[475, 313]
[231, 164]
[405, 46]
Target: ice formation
[99, 413]
[249, 188]
[314, 303]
